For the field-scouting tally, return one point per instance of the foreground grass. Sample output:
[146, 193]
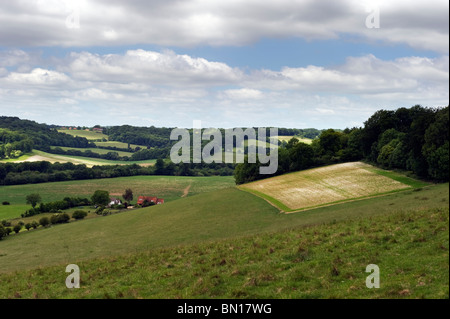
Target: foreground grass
[210, 216]
[321, 261]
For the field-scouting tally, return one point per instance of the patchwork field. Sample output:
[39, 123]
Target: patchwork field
[325, 185]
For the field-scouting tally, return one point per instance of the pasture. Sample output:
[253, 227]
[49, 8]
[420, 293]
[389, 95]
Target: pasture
[168, 187]
[118, 144]
[90, 135]
[325, 185]
[88, 161]
[206, 217]
[231, 244]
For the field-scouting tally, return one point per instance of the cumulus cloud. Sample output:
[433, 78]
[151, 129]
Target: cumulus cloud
[165, 88]
[217, 23]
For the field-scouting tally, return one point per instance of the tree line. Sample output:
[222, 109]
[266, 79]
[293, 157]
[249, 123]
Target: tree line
[43, 171]
[415, 139]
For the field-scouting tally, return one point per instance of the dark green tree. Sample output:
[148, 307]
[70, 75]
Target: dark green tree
[100, 198]
[33, 199]
[128, 195]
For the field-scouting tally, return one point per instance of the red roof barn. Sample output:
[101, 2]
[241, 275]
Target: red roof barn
[150, 199]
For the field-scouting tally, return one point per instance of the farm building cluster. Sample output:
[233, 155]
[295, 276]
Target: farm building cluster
[141, 200]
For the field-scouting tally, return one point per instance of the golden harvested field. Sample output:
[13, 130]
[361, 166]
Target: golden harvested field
[320, 186]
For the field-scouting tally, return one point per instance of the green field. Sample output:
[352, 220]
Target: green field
[86, 134]
[231, 244]
[36, 155]
[118, 144]
[213, 240]
[168, 187]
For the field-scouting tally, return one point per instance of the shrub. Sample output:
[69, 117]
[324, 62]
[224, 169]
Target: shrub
[34, 224]
[99, 210]
[44, 221]
[79, 214]
[59, 218]
[28, 226]
[2, 232]
[6, 223]
[17, 228]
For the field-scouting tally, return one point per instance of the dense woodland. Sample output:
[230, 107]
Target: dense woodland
[415, 139]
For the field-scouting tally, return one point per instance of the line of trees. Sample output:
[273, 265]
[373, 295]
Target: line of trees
[43, 171]
[414, 139]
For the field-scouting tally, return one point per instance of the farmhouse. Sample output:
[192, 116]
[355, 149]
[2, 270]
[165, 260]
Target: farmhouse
[150, 199]
[114, 201]
[97, 130]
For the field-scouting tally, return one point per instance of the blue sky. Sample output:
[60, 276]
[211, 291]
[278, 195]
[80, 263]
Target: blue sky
[236, 63]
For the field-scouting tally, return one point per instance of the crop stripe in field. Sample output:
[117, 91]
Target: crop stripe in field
[272, 201]
[284, 209]
[319, 178]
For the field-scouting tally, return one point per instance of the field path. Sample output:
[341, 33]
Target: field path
[186, 191]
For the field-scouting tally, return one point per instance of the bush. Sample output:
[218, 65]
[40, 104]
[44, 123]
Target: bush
[34, 224]
[44, 221]
[17, 228]
[59, 218]
[99, 210]
[5, 203]
[28, 226]
[6, 223]
[2, 232]
[79, 214]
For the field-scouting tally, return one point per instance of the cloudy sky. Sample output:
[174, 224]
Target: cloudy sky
[285, 63]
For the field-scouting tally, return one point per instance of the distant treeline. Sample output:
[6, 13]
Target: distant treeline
[311, 133]
[144, 154]
[414, 139]
[43, 171]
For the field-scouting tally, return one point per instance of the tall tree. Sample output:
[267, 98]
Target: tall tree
[33, 199]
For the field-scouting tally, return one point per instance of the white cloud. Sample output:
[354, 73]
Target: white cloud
[168, 89]
[420, 24]
[242, 94]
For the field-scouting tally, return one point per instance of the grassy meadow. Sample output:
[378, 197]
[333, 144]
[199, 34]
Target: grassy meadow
[37, 155]
[302, 260]
[168, 187]
[90, 135]
[212, 239]
[210, 216]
